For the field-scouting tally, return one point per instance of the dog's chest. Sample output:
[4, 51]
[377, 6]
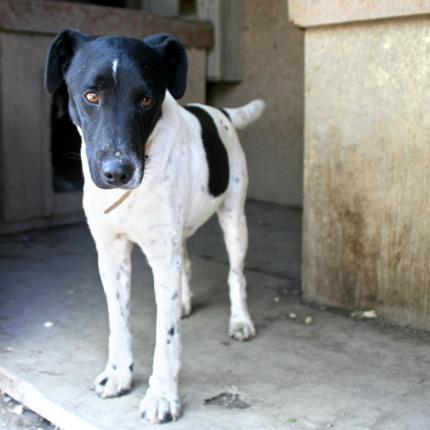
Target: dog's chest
[151, 213]
[175, 194]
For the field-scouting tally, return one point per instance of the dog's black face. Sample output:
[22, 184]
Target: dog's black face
[116, 88]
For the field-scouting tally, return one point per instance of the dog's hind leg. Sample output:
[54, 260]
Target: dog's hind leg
[115, 269]
[232, 219]
[186, 293]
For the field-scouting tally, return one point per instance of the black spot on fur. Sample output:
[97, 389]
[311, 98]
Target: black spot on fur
[166, 418]
[103, 381]
[171, 332]
[226, 114]
[114, 366]
[131, 367]
[216, 154]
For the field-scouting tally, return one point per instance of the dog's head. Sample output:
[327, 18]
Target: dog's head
[116, 87]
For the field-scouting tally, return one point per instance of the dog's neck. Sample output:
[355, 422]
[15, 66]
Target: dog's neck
[162, 140]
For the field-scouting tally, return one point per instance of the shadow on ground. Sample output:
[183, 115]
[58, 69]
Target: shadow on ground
[308, 368]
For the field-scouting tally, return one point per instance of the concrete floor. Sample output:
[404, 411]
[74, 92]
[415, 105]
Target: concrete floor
[336, 372]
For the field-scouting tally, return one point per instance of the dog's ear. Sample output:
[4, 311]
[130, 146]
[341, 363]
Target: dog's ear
[59, 56]
[175, 59]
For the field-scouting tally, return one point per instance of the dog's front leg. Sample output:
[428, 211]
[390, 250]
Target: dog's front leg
[115, 268]
[161, 403]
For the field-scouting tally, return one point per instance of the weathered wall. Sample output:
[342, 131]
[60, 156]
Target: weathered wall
[272, 69]
[367, 175]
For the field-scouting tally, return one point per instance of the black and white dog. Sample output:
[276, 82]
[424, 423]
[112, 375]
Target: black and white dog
[179, 165]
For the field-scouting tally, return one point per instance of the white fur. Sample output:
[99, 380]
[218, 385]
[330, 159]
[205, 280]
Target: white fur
[243, 116]
[115, 62]
[170, 204]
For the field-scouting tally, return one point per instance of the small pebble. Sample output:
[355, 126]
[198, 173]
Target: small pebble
[277, 299]
[9, 349]
[309, 320]
[292, 315]
[369, 314]
[48, 324]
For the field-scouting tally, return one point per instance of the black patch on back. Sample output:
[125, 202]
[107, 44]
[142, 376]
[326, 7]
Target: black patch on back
[216, 154]
[225, 113]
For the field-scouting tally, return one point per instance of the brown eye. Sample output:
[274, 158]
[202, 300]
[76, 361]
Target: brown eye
[92, 97]
[146, 101]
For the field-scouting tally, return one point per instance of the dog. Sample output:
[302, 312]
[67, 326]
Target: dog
[154, 172]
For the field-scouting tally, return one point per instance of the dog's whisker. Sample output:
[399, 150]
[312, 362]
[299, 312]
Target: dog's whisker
[71, 156]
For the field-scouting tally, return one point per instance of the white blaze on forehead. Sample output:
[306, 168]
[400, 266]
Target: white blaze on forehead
[114, 68]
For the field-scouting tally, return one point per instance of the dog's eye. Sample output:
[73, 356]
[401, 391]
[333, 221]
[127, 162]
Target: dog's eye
[92, 97]
[146, 101]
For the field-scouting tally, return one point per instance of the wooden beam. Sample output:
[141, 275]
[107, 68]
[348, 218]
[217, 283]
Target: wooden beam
[48, 17]
[30, 397]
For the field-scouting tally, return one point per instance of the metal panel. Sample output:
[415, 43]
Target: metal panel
[224, 59]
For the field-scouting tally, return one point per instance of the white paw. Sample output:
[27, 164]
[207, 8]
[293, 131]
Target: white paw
[186, 308]
[241, 329]
[114, 381]
[158, 408]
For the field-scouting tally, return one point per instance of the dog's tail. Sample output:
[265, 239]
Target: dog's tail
[242, 116]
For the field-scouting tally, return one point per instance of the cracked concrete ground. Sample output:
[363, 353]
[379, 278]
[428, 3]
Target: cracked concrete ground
[334, 372]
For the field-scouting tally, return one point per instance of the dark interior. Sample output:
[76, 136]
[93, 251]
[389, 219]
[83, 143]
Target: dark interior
[65, 146]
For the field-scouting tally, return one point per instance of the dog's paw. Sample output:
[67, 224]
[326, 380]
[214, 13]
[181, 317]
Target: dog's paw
[186, 308]
[159, 409]
[114, 381]
[242, 329]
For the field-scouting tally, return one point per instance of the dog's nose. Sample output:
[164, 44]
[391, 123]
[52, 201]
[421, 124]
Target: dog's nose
[116, 173]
